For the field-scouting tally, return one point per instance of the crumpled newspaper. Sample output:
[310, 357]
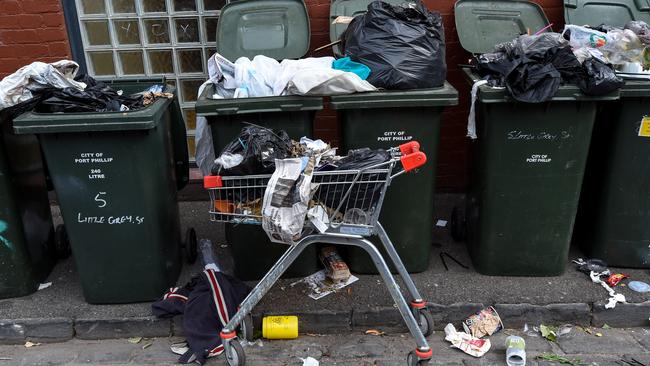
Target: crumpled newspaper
[471, 345]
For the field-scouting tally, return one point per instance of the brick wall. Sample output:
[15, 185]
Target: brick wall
[453, 163]
[31, 30]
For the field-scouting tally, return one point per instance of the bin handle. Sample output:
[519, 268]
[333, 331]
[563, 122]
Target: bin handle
[290, 107]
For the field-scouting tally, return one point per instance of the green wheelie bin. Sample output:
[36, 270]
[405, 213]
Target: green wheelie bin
[277, 29]
[28, 242]
[116, 175]
[385, 119]
[528, 160]
[614, 211]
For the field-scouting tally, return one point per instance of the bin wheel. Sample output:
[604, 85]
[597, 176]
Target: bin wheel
[458, 224]
[235, 355]
[246, 328]
[425, 322]
[413, 360]
[61, 242]
[190, 246]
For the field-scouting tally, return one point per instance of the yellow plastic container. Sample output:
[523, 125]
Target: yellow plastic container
[280, 327]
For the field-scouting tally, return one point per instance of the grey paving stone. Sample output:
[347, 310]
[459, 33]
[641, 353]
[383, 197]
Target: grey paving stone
[122, 328]
[613, 341]
[386, 319]
[38, 356]
[642, 335]
[623, 315]
[514, 316]
[38, 330]
[109, 354]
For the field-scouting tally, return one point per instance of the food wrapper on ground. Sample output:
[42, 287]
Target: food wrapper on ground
[465, 342]
[482, 323]
[337, 269]
[615, 278]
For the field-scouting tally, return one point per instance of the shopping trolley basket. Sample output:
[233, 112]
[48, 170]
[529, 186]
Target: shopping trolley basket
[344, 210]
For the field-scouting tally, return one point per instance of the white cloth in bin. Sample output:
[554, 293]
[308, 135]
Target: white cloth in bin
[265, 77]
[17, 87]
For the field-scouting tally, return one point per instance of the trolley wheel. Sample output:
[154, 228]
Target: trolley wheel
[190, 246]
[246, 328]
[413, 360]
[235, 355]
[425, 321]
[458, 224]
[61, 242]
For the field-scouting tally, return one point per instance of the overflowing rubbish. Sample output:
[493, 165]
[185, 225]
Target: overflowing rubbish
[515, 351]
[471, 345]
[552, 333]
[265, 77]
[638, 286]
[320, 285]
[206, 302]
[346, 64]
[20, 86]
[402, 45]
[280, 327]
[484, 322]
[337, 269]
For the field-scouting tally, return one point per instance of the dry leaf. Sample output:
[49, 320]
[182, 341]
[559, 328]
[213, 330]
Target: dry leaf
[147, 345]
[135, 340]
[31, 344]
[375, 332]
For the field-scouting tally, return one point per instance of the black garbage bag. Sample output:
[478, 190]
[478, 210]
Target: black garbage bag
[97, 97]
[533, 82]
[403, 46]
[600, 78]
[253, 152]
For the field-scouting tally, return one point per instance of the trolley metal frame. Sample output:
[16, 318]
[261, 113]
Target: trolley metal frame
[358, 191]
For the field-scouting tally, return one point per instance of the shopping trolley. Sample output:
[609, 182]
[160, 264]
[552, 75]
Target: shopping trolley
[350, 202]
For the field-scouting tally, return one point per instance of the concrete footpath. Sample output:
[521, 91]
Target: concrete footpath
[614, 347]
[59, 313]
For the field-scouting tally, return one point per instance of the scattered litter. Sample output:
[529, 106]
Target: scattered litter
[597, 269]
[639, 286]
[342, 19]
[337, 269]
[309, 361]
[147, 345]
[441, 223]
[29, 344]
[591, 265]
[179, 348]
[315, 335]
[615, 278]
[45, 285]
[564, 330]
[531, 332]
[552, 357]
[135, 340]
[471, 345]
[484, 322]
[605, 326]
[548, 332]
[515, 351]
[5, 359]
[587, 330]
[256, 343]
[375, 332]
[598, 334]
[322, 286]
[444, 263]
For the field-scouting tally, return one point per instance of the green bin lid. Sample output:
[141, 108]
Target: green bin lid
[482, 24]
[273, 28]
[142, 119]
[348, 8]
[609, 12]
[206, 106]
[435, 97]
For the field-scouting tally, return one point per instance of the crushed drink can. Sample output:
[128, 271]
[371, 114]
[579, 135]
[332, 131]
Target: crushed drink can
[483, 323]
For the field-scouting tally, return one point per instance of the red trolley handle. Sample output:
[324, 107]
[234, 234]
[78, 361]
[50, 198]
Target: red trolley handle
[412, 158]
[212, 181]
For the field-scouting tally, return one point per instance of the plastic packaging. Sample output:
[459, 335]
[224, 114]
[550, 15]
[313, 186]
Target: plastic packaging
[483, 323]
[280, 327]
[600, 78]
[403, 46]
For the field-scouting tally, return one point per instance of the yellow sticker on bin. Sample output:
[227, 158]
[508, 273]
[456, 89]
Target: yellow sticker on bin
[644, 129]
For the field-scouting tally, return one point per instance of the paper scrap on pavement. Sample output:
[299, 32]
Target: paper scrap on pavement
[471, 345]
[342, 19]
[309, 361]
[320, 285]
[441, 223]
[45, 285]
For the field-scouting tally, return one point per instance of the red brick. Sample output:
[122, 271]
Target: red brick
[53, 20]
[9, 22]
[40, 6]
[59, 49]
[23, 36]
[10, 7]
[30, 21]
[53, 34]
